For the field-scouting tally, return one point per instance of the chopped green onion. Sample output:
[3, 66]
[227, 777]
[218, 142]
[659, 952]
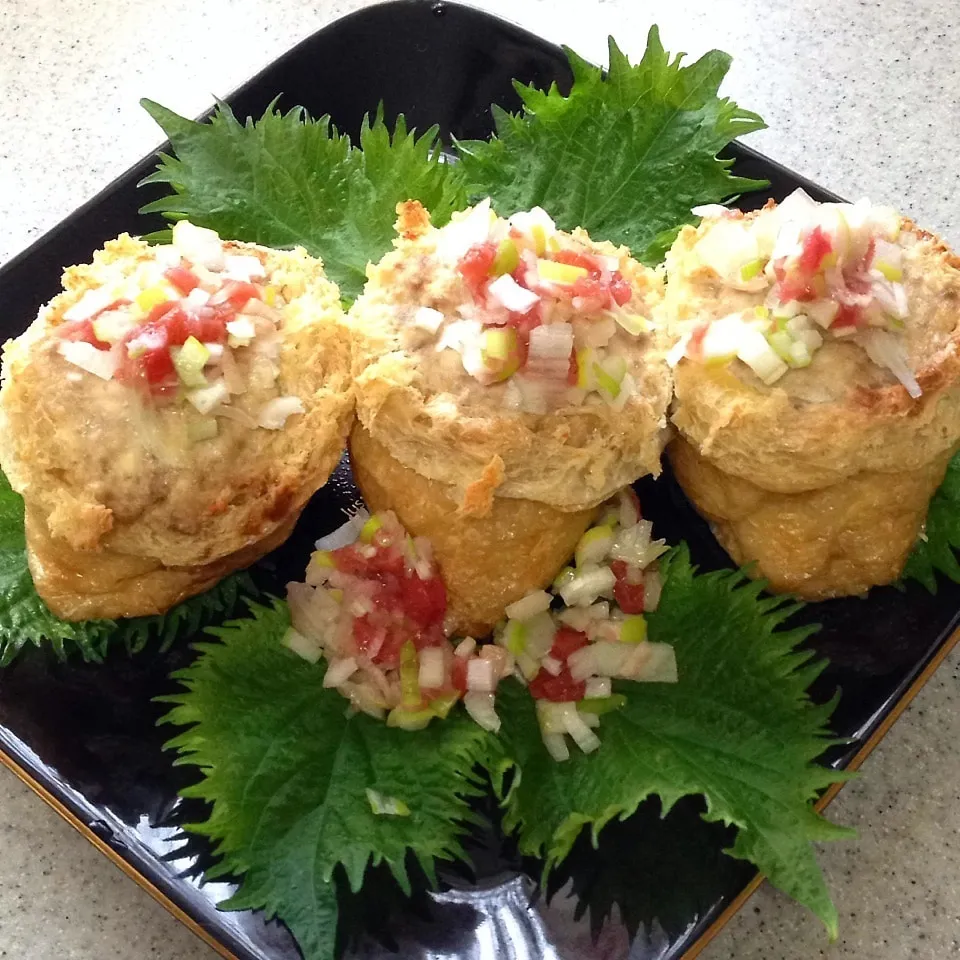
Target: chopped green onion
[600, 705]
[507, 259]
[749, 270]
[369, 530]
[410, 695]
[189, 361]
[634, 629]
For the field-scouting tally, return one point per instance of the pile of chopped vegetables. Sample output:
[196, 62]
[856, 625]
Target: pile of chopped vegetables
[825, 270]
[568, 657]
[174, 326]
[540, 313]
[374, 607]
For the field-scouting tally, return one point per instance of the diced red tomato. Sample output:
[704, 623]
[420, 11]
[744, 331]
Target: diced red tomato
[367, 634]
[458, 674]
[629, 596]
[620, 290]
[847, 316]
[238, 292]
[475, 265]
[560, 689]
[424, 601]
[567, 641]
[81, 331]
[182, 278]
[815, 247]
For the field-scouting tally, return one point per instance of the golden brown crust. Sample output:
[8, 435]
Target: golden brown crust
[837, 540]
[127, 517]
[439, 422]
[486, 563]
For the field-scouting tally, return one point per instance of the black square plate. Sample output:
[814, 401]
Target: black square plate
[84, 737]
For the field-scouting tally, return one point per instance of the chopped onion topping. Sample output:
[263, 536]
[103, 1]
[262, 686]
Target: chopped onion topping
[529, 606]
[428, 319]
[101, 363]
[273, 414]
[549, 350]
[886, 350]
[198, 245]
[511, 296]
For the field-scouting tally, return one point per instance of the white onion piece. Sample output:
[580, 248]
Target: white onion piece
[431, 675]
[166, 255]
[198, 245]
[235, 413]
[339, 672]
[886, 350]
[589, 584]
[549, 351]
[242, 267]
[799, 207]
[552, 666]
[556, 746]
[465, 648]
[304, 647]
[601, 659]
[427, 319]
[196, 298]
[598, 687]
[709, 210]
[480, 706]
[652, 588]
[511, 296]
[481, 676]
[207, 399]
[891, 296]
[101, 363]
[760, 357]
[345, 534]
[529, 606]
[584, 737]
[464, 230]
[526, 220]
[93, 301]
[274, 413]
[659, 665]
[629, 513]
[592, 720]
[458, 333]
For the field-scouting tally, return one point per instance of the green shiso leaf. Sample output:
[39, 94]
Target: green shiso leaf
[625, 155]
[287, 180]
[738, 728]
[287, 773]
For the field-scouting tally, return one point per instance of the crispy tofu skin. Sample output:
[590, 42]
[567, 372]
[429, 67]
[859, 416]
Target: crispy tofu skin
[486, 563]
[125, 516]
[438, 420]
[823, 477]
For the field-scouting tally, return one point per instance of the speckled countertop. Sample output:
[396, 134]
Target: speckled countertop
[859, 95]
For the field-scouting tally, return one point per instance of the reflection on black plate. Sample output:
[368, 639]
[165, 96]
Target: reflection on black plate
[87, 734]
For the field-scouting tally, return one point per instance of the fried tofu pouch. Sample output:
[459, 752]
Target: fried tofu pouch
[482, 417]
[821, 473]
[135, 497]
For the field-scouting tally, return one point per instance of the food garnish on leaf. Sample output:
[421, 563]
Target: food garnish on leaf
[298, 787]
